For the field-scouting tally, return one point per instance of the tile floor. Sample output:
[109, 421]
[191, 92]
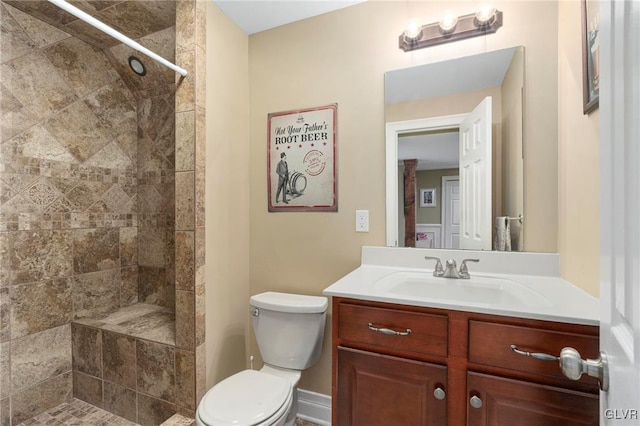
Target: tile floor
[80, 413]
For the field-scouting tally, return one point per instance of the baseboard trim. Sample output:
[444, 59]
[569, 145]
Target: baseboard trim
[314, 407]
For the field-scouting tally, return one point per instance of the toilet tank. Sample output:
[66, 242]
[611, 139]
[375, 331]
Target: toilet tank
[289, 328]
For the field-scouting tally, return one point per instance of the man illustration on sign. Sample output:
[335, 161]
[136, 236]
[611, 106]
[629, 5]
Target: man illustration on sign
[283, 177]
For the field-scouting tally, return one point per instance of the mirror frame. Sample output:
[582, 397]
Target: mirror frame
[392, 131]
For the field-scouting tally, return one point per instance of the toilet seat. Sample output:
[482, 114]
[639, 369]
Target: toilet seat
[248, 398]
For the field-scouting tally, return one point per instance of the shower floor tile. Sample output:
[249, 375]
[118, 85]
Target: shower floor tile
[150, 322]
[76, 413]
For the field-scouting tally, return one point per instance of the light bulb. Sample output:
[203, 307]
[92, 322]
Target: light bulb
[413, 31]
[448, 23]
[486, 15]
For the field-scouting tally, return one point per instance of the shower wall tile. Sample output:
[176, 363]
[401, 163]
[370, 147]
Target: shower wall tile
[185, 379]
[14, 41]
[96, 293]
[79, 130]
[152, 411]
[200, 77]
[41, 397]
[200, 312]
[185, 260]
[119, 359]
[29, 365]
[87, 388]
[200, 197]
[156, 370]
[96, 249]
[185, 194]
[36, 83]
[128, 286]
[87, 350]
[185, 93]
[15, 117]
[5, 412]
[40, 255]
[201, 24]
[40, 306]
[200, 247]
[83, 66]
[201, 372]
[156, 286]
[5, 370]
[201, 137]
[4, 251]
[185, 314]
[154, 243]
[185, 141]
[185, 25]
[40, 32]
[120, 401]
[5, 322]
[128, 246]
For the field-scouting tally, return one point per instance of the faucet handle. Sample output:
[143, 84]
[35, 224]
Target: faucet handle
[439, 270]
[464, 270]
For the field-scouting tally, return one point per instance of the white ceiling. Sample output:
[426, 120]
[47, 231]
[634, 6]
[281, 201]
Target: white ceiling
[253, 16]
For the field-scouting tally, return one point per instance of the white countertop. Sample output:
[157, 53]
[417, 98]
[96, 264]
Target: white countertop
[537, 271]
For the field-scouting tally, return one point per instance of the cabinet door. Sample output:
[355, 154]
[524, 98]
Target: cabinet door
[381, 390]
[518, 403]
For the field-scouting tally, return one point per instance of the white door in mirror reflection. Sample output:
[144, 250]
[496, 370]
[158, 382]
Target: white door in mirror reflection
[451, 212]
[475, 178]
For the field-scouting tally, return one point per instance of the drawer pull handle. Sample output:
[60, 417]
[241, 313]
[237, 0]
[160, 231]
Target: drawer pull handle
[439, 393]
[389, 331]
[536, 355]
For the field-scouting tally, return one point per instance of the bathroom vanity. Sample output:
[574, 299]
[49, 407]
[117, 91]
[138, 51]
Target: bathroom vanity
[402, 356]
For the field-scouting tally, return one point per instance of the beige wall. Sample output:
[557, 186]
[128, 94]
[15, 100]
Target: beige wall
[336, 57]
[578, 152]
[227, 195]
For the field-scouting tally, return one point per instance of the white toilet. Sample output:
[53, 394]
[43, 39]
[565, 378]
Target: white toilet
[289, 329]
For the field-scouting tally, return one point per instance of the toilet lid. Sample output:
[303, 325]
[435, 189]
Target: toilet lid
[246, 398]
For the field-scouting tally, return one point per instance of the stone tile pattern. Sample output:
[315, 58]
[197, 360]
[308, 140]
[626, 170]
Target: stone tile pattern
[79, 413]
[189, 183]
[87, 192]
[134, 378]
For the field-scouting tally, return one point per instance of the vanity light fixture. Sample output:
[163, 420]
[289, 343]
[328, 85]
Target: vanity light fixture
[485, 21]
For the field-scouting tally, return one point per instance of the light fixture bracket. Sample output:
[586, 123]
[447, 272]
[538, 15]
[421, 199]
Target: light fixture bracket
[467, 27]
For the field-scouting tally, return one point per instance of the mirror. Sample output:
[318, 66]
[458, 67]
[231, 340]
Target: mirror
[425, 107]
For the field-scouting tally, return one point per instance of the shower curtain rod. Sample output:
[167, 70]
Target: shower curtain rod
[62, 4]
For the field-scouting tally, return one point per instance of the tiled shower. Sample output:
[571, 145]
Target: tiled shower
[101, 211]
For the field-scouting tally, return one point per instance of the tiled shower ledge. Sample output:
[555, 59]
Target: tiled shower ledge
[80, 413]
[144, 321]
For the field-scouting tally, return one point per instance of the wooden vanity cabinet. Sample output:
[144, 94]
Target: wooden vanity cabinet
[454, 368]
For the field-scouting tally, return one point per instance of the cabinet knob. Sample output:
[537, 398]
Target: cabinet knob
[475, 402]
[439, 393]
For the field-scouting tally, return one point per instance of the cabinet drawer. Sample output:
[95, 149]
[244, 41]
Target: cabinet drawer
[428, 332]
[490, 344]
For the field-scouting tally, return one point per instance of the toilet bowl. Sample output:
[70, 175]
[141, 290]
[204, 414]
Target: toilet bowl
[248, 398]
[289, 329]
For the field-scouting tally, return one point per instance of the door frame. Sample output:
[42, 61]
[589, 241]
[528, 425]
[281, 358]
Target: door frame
[393, 131]
[445, 202]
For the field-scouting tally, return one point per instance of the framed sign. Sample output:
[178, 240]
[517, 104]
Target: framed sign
[301, 160]
[590, 55]
[428, 197]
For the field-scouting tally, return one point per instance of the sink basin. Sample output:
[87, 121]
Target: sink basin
[478, 290]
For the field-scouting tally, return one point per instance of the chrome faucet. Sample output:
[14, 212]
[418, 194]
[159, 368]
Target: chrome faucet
[450, 271]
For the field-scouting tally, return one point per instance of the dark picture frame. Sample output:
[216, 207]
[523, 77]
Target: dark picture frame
[590, 55]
